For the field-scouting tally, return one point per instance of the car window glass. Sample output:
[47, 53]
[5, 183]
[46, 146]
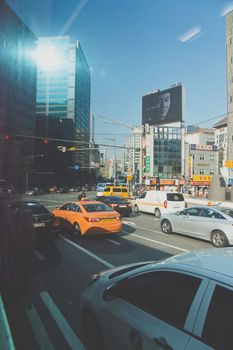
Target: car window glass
[227, 211]
[175, 197]
[107, 189]
[116, 190]
[78, 209]
[65, 207]
[207, 213]
[124, 190]
[91, 208]
[143, 195]
[36, 208]
[166, 295]
[74, 207]
[193, 212]
[217, 331]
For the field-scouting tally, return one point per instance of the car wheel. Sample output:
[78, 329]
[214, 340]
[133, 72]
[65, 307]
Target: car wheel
[157, 213]
[92, 332]
[136, 209]
[76, 230]
[166, 226]
[219, 239]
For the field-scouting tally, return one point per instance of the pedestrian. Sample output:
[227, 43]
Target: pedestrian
[82, 195]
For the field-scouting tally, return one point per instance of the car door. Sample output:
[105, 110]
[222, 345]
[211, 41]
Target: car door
[213, 327]
[141, 201]
[184, 222]
[155, 310]
[62, 213]
[74, 214]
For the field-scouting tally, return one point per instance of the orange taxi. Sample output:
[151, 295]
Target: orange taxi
[88, 216]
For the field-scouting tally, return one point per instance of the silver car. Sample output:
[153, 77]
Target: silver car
[214, 224]
[181, 303]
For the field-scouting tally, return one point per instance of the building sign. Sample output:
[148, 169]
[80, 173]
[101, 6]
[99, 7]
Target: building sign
[228, 163]
[162, 107]
[199, 178]
[194, 147]
[147, 164]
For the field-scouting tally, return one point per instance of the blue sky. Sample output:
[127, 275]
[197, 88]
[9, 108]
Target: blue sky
[134, 46]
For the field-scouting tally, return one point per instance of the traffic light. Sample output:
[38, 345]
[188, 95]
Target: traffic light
[7, 137]
[45, 141]
[157, 183]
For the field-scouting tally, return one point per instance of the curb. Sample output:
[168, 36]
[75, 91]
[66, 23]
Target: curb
[6, 340]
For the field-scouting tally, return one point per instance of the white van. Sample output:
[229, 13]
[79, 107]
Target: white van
[159, 202]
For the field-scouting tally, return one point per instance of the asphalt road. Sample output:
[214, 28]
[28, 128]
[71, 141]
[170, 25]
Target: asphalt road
[44, 310]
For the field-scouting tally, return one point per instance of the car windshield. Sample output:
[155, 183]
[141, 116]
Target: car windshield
[114, 199]
[92, 208]
[36, 208]
[227, 211]
[175, 197]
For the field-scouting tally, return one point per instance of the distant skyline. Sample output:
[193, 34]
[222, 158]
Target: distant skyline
[136, 46]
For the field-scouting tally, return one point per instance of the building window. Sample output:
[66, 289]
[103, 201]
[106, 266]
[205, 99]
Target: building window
[211, 171]
[202, 172]
[230, 40]
[212, 157]
[202, 157]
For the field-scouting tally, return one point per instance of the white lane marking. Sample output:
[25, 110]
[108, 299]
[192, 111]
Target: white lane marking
[111, 240]
[102, 261]
[5, 334]
[39, 331]
[61, 322]
[129, 223]
[39, 255]
[157, 242]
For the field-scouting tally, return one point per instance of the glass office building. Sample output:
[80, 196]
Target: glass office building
[167, 152]
[63, 93]
[17, 97]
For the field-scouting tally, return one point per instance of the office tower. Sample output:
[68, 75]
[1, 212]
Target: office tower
[63, 99]
[17, 98]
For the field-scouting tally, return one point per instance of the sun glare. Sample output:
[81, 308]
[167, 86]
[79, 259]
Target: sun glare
[48, 58]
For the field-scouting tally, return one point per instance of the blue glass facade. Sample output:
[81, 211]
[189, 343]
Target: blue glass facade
[17, 96]
[63, 92]
[167, 152]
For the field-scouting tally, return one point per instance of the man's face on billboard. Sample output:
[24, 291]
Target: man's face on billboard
[164, 104]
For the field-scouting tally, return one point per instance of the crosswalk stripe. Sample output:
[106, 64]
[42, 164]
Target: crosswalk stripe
[40, 333]
[61, 322]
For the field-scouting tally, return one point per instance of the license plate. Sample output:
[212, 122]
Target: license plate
[39, 224]
[107, 220]
[122, 206]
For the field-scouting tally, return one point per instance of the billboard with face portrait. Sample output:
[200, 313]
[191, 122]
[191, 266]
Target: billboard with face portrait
[162, 107]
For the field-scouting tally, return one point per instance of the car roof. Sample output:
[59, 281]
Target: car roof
[206, 261]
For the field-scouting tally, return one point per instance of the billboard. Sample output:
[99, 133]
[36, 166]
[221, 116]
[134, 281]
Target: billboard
[162, 107]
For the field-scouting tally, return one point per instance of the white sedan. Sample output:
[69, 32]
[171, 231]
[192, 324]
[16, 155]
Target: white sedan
[182, 303]
[214, 224]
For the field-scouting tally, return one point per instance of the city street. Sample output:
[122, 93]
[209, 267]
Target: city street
[44, 313]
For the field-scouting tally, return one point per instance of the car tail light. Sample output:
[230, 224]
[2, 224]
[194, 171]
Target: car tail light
[165, 204]
[114, 205]
[93, 219]
[56, 223]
